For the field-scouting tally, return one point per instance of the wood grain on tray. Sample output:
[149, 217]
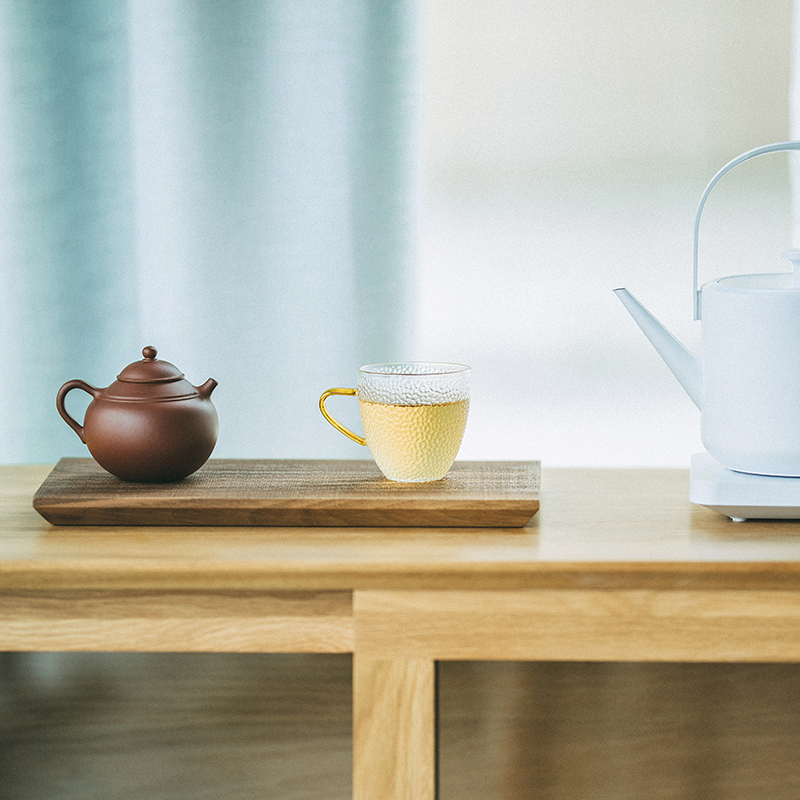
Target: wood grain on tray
[279, 492]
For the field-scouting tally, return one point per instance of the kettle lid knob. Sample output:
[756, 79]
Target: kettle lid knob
[794, 257]
[149, 353]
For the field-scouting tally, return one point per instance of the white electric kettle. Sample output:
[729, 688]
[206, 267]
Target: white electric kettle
[747, 385]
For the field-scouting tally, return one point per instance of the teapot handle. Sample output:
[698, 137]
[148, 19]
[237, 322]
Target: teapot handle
[61, 396]
[758, 151]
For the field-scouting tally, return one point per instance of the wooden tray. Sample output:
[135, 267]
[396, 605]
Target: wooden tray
[496, 494]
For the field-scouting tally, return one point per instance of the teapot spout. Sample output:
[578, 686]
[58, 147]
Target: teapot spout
[205, 390]
[685, 366]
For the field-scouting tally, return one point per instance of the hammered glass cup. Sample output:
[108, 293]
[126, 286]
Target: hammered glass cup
[414, 415]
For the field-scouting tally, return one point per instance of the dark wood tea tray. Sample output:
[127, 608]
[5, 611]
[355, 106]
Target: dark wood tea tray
[234, 492]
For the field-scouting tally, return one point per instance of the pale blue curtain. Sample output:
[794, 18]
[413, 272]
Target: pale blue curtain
[232, 182]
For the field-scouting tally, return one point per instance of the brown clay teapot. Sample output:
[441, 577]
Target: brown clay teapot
[151, 425]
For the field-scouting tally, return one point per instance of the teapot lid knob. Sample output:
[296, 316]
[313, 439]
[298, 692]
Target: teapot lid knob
[150, 370]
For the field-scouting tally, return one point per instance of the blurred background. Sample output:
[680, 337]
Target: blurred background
[275, 193]
[567, 147]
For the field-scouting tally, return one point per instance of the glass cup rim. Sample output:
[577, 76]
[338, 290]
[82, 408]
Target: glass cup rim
[441, 368]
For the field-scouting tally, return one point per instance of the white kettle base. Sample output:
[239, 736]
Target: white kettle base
[740, 495]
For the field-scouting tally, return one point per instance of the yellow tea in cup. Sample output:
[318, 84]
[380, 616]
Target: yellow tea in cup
[414, 443]
[414, 415]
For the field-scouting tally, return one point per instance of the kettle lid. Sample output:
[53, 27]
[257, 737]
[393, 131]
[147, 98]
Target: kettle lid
[794, 256]
[150, 370]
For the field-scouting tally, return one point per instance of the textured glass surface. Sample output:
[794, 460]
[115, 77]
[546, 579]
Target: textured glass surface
[414, 383]
[414, 416]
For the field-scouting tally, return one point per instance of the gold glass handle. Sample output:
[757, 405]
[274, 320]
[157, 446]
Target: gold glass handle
[339, 427]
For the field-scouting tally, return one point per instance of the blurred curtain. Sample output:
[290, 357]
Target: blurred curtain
[231, 182]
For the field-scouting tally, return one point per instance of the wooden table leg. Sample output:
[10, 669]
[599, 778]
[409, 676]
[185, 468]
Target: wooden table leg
[394, 729]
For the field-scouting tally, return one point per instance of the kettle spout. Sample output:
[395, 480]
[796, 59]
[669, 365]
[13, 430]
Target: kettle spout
[685, 366]
[205, 390]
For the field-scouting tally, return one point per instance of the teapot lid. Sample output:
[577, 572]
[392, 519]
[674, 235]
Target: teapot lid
[150, 380]
[150, 370]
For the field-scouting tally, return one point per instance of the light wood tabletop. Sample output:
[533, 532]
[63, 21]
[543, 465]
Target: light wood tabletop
[611, 528]
[617, 565]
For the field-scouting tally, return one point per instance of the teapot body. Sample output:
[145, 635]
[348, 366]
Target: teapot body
[151, 442]
[151, 425]
[750, 420]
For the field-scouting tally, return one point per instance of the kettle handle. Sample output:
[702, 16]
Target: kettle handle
[61, 397]
[758, 151]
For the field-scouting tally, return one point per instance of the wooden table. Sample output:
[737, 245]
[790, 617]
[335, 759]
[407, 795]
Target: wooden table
[616, 566]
